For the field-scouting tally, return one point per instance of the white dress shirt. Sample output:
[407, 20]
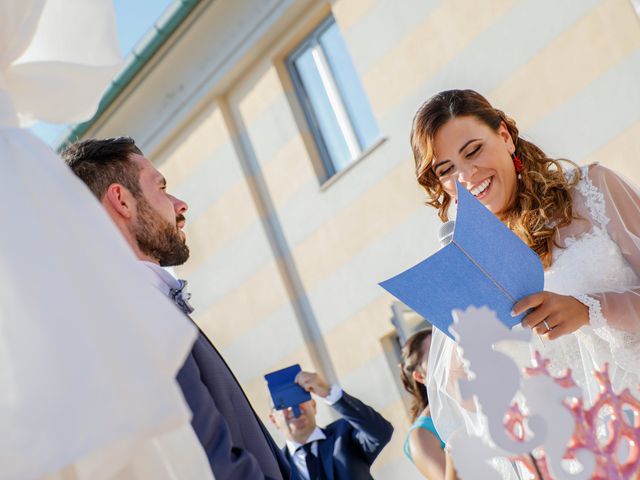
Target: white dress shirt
[160, 277]
[298, 454]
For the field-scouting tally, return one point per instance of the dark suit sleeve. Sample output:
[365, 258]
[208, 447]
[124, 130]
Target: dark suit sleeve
[370, 429]
[227, 461]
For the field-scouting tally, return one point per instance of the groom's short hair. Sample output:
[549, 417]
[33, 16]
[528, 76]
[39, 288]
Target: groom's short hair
[100, 163]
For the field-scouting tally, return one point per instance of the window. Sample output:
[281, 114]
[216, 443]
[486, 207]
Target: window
[334, 102]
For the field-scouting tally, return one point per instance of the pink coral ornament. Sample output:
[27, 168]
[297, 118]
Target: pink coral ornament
[622, 412]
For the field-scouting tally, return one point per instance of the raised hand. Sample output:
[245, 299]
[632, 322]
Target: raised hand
[313, 383]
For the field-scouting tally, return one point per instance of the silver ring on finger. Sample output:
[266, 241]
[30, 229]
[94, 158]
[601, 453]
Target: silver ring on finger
[546, 325]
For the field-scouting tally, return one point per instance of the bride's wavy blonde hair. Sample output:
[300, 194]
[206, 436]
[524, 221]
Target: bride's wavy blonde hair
[543, 201]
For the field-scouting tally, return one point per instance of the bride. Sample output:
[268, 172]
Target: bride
[584, 223]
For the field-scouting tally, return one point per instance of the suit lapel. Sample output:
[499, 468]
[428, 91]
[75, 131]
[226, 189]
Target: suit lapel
[287, 456]
[282, 465]
[325, 452]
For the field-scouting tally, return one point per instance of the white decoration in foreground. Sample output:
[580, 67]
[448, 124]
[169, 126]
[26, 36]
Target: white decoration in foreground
[496, 380]
[477, 330]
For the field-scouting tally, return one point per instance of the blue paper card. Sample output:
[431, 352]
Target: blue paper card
[284, 391]
[485, 264]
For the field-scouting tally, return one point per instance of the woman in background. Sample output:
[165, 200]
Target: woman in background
[423, 445]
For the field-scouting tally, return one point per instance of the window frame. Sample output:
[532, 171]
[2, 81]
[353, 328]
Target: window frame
[312, 40]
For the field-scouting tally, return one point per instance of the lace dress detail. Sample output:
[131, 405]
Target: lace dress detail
[593, 198]
[596, 319]
[590, 263]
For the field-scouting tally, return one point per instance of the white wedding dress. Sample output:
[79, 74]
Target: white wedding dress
[89, 349]
[599, 265]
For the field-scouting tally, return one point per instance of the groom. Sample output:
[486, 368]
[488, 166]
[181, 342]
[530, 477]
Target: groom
[134, 195]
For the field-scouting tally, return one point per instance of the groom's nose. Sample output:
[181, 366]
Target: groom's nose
[179, 206]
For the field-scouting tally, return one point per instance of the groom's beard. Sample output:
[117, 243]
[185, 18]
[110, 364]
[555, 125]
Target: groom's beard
[158, 238]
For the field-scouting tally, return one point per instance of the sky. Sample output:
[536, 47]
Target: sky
[133, 19]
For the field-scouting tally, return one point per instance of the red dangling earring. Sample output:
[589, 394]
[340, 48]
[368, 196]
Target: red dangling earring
[517, 163]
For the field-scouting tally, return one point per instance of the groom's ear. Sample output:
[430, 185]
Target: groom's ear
[119, 201]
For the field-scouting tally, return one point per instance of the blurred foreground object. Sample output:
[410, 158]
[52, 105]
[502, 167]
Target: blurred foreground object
[88, 349]
[537, 424]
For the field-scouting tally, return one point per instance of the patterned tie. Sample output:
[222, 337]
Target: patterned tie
[313, 465]
[181, 297]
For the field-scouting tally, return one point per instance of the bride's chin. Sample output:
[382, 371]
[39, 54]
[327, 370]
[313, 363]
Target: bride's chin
[489, 204]
[501, 213]
[494, 207]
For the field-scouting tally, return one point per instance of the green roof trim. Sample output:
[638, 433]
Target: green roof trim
[170, 20]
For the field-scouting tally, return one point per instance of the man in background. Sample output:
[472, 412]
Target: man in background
[344, 449]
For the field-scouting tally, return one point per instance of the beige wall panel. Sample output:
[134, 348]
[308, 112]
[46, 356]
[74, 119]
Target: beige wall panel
[568, 64]
[357, 340]
[348, 12]
[266, 90]
[272, 132]
[385, 204]
[288, 170]
[400, 469]
[622, 154]
[194, 144]
[225, 219]
[242, 308]
[374, 383]
[595, 115]
[396, 414]
[427, 49]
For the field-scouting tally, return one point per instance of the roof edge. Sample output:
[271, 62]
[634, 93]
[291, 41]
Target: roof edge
[143, 51]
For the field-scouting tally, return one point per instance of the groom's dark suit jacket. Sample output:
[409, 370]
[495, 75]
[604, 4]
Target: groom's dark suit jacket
[352, 443]
[236, 442]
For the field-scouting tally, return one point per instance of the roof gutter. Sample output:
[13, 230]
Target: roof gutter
[166, 25]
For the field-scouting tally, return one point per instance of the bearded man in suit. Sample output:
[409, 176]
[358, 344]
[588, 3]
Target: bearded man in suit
[134, 194]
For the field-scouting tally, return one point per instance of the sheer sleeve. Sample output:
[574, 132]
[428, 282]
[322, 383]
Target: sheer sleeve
[619, 308]
[448, 410]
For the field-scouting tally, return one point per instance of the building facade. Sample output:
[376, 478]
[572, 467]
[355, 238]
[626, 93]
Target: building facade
[284, 124]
